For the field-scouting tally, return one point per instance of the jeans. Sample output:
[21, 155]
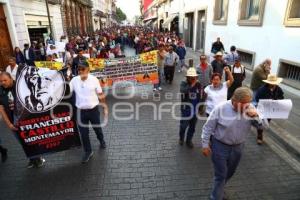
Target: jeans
[225, 159]
[92, 116]
[157, 85]
[191, 125]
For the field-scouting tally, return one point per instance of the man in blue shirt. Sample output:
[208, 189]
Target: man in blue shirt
[224, 135]
[181, 52]
[191, 95]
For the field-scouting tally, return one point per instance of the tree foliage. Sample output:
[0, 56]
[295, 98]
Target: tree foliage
[121, 16]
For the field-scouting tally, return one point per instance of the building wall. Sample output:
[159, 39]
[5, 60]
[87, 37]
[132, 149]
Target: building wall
[271, 40]
[98, 5]
[10, 22]
[77, 17]
[21, 7]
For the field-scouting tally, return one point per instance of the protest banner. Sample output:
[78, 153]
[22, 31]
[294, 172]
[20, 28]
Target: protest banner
[44, 115]
[49, 64]
[140, 69]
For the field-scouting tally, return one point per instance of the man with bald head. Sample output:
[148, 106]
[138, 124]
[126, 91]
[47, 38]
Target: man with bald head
[224, 135]
[259, 74]
[7, 110]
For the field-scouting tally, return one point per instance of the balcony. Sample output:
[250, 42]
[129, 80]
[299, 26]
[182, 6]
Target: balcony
[88, 3]
[54, 2]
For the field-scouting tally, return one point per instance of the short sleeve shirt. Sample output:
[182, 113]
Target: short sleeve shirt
[86, 92]
[215, 96]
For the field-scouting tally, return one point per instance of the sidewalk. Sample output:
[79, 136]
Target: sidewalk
[286, 132]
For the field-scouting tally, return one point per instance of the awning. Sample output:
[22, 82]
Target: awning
[149, 22]
[169, 20]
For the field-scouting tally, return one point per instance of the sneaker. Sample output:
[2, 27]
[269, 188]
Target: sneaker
[40, 163]
[159, 88]
[102, 145]
[3, 155]
[190, 145]
[154, 89]
[30, 164]
[86, 157]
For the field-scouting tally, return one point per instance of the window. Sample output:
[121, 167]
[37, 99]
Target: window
[290, 72]
[251, 12]
[220, 12]
[247, 58]
[292, 14]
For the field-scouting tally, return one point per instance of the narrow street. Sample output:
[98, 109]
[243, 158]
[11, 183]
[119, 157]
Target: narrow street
[143, 161]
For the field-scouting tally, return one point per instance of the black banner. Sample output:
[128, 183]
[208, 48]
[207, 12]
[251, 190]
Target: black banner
[45, 117]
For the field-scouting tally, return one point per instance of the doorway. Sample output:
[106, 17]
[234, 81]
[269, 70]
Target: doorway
[5, 42]
[189, 29]
[201, 30]
[175, 25]
[37, 34]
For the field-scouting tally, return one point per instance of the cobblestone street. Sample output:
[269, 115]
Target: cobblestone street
[143, 161]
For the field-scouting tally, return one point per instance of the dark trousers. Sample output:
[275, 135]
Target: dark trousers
[169, 73]
[189, 124]
[89, 116]
[225, 159]
[32, 159]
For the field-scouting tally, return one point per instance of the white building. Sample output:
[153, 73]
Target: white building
[28, 20]
[110, 11]
[260, 29]
[23, 21]
[99, 8]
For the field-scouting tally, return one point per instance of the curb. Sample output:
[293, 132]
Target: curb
[286, 140]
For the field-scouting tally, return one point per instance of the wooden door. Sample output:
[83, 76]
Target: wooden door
[5, 42]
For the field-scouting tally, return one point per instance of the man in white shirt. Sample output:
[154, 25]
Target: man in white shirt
[88, 93]
[170, 61]
[12, 68]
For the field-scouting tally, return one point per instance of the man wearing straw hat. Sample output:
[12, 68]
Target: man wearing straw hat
[192, 94]
[218, 64]
[270, 90]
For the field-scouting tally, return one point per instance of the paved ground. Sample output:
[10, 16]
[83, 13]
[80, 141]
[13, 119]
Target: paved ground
[143, 161]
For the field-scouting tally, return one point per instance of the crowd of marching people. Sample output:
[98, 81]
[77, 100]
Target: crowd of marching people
[219, 85]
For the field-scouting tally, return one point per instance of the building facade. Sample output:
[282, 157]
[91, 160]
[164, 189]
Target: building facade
[77, 17]
[25, 21]
[260, 29]
[98, 14]
[110, 12]
[149, 13]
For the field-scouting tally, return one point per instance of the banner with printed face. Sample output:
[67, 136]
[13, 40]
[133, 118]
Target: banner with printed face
[44, 114]
[140, 69]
